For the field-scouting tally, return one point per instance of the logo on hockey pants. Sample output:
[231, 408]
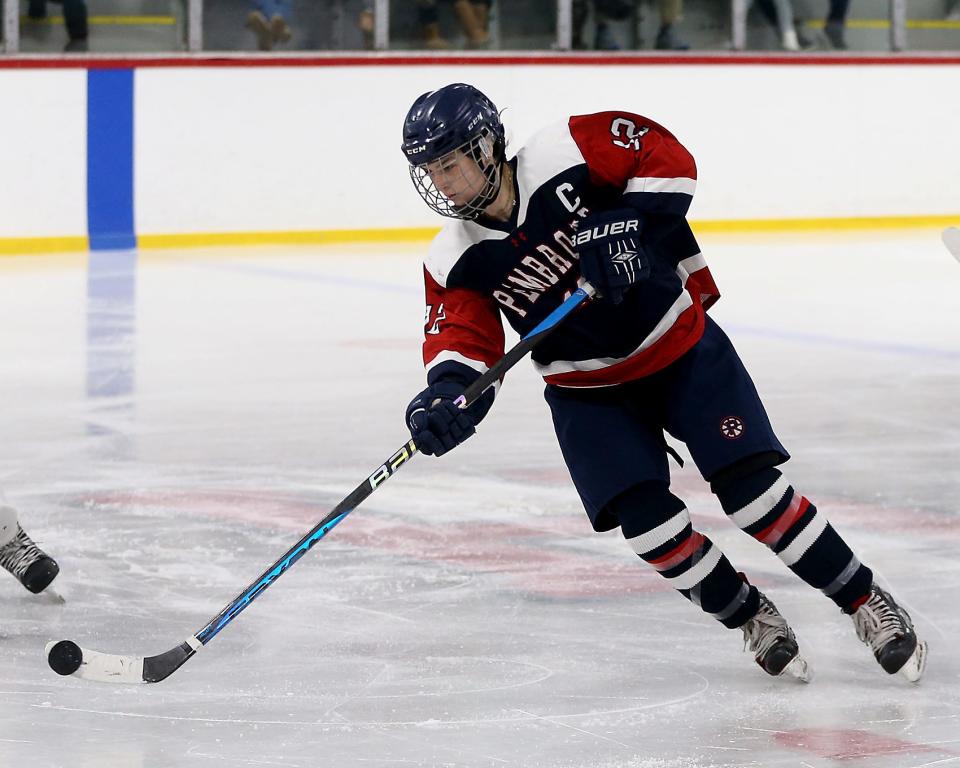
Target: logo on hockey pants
[731, 427]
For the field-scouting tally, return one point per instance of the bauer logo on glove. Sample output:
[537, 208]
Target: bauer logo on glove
[607, 230]
[611, 255]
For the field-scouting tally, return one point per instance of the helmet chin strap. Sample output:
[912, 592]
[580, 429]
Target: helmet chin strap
[504, 176]
[485, 197]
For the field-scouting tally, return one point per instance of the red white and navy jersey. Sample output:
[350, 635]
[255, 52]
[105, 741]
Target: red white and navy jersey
[476, 271]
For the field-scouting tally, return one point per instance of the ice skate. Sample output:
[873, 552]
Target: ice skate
[887, 629]
[29, 564]
[775, 647]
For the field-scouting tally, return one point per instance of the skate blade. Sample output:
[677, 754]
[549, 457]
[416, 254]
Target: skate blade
[798, 669]
[913, 669]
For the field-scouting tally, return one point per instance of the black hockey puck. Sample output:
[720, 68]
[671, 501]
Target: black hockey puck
[41, 572]
[65, 657]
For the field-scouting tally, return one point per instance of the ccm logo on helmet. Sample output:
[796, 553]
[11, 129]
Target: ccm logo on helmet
[617, 228]
[416, 150]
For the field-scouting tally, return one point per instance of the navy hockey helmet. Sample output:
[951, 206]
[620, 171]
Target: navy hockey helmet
[445, 129]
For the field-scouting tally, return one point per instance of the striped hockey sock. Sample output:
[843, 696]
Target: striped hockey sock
[695, 566]
[767, 507]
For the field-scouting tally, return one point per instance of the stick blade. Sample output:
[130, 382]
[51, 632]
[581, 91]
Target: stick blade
[107, 667]
[128, 670]
[951, 239]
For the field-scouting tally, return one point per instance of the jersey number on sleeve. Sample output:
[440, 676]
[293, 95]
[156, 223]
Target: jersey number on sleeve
[432, 322]
[627, 134]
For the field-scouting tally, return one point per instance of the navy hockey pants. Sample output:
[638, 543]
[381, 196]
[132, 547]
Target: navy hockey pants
[612, 437]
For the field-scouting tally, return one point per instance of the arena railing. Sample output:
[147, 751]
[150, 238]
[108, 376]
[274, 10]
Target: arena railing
[194, 25]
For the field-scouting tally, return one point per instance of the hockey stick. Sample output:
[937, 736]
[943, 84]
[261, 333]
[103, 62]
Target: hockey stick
[951, 239]
[68, 658]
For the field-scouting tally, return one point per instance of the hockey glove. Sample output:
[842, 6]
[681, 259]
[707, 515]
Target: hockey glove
[437, 424]
[611, 256]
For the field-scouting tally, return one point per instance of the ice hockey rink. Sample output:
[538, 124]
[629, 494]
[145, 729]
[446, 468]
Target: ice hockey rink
[172, 421]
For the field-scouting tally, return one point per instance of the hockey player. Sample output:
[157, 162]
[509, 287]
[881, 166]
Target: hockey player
[604, 197]
[19, 555]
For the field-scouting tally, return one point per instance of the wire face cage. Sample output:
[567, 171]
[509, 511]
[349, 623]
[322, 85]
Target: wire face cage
[463, 182]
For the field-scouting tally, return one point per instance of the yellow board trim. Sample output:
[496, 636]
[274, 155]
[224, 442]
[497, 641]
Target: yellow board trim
[32, 245]
[19, 246]
[824, 225]
[325, 237]
[310, 237]
[107, 21]
[885, 24]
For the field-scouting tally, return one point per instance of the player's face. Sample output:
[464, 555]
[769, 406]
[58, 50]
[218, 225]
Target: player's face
[457, 176]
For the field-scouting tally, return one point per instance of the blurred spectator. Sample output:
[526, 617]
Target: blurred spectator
[953, 11]
[667, 40]
[836, 24]
[268, 22]
[606, 11]
[780, 14]
[367, 23]
[75, 17]
[473, 16]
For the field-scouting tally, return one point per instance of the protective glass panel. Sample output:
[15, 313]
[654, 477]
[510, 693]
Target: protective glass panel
[840, 25]
[287, 25]
[102, 26]
[440, 25]
[665, 25]
[933, 25]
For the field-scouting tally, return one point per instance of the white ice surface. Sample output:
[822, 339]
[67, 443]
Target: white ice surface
[167, 443]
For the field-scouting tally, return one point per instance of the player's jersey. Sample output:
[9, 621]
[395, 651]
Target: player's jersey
[523, 269]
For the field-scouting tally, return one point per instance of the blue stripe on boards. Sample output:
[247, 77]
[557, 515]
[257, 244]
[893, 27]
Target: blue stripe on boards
[110, 159]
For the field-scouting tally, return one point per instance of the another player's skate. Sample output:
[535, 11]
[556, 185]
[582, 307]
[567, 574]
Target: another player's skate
[31, 566]
[775, 646]
[888, 630]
